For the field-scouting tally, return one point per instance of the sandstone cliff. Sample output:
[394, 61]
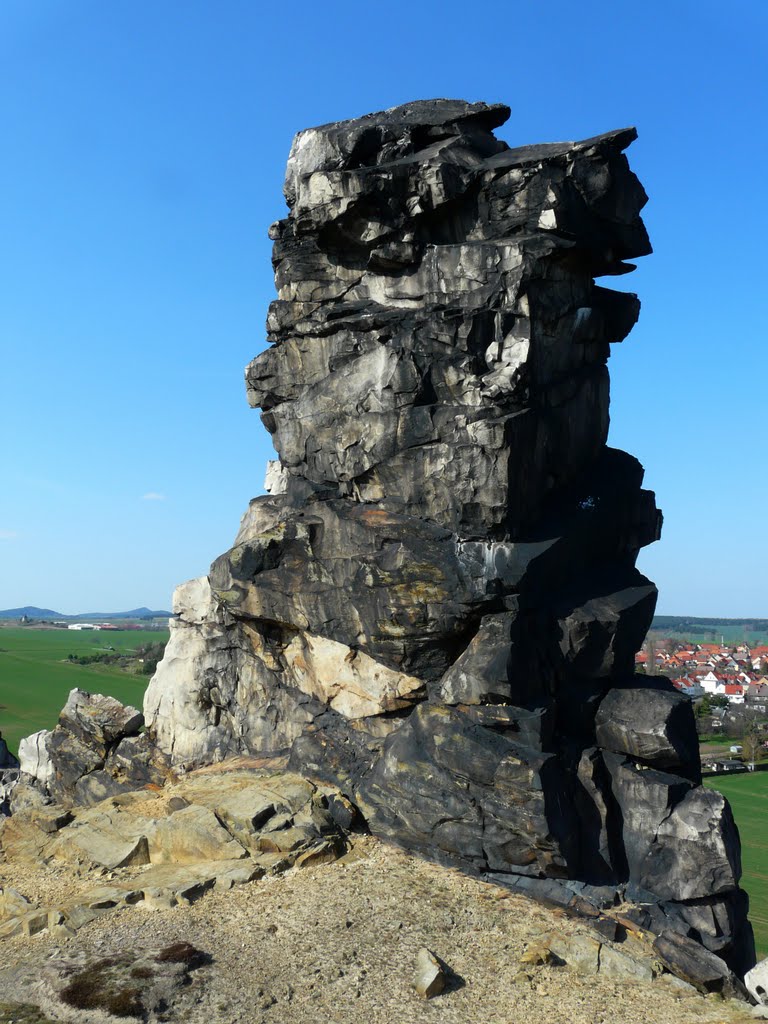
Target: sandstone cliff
[436, 607]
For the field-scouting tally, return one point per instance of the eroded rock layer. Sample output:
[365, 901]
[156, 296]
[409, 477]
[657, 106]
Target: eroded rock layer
[436, 607]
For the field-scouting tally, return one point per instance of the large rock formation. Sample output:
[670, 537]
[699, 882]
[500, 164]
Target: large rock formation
[437, 608]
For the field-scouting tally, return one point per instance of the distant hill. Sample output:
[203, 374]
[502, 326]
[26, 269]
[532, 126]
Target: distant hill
[693, 623]
[134, 613]
[33, 612]
[698, 629]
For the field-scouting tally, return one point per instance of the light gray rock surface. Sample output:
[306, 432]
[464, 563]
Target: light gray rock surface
[35, 756]
[756, 982]
[430, 977]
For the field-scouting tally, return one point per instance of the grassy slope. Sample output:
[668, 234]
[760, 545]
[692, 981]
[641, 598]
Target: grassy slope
[748, 796]
[35, 676]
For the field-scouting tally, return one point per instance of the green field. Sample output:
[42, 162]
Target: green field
[705, 631]
[35, 677]
[748, 796]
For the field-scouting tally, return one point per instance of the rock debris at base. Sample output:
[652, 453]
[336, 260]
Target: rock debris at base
[339, 942]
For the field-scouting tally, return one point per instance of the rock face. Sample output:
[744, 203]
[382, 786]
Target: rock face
[95, 750]
[436, 606]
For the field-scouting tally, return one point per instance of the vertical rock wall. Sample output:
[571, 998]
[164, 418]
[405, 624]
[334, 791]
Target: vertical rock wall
[437, 605]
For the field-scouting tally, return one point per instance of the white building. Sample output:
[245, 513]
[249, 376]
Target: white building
[691, 688]
[709, 683]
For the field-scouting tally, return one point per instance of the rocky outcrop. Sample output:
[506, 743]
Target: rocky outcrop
[436, 607]
[95, 750]
[162, 848]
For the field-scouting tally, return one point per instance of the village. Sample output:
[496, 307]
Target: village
[740, 674]
[729, 688]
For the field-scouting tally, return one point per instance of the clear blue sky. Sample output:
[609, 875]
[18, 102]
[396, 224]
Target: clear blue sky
[144, 145]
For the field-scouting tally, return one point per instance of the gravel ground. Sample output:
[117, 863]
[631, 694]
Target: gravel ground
[338, 944]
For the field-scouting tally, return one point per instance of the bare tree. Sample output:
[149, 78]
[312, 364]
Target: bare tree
[753, 738]
[651, 650]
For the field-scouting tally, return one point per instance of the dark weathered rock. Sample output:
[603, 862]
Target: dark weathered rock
[697, 966]
[603, 622]
[423, 273]
[483, 672]
[447, 785]
[653, 726]
[719, 923]
[7, 759]
[603, 853]
[436, 607]
[680, 840]
[71, 762]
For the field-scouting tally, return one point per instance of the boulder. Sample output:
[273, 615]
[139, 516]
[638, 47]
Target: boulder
[680, 840]
[689, 961]
[35, 756]
[97, 720]
[756, 982]
[697, 852]
[90, 726]
[430, 974]
[653, 726]
[602, 628]
[719, 923]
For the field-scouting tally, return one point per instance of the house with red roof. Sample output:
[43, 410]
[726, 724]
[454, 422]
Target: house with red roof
[734, 692]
